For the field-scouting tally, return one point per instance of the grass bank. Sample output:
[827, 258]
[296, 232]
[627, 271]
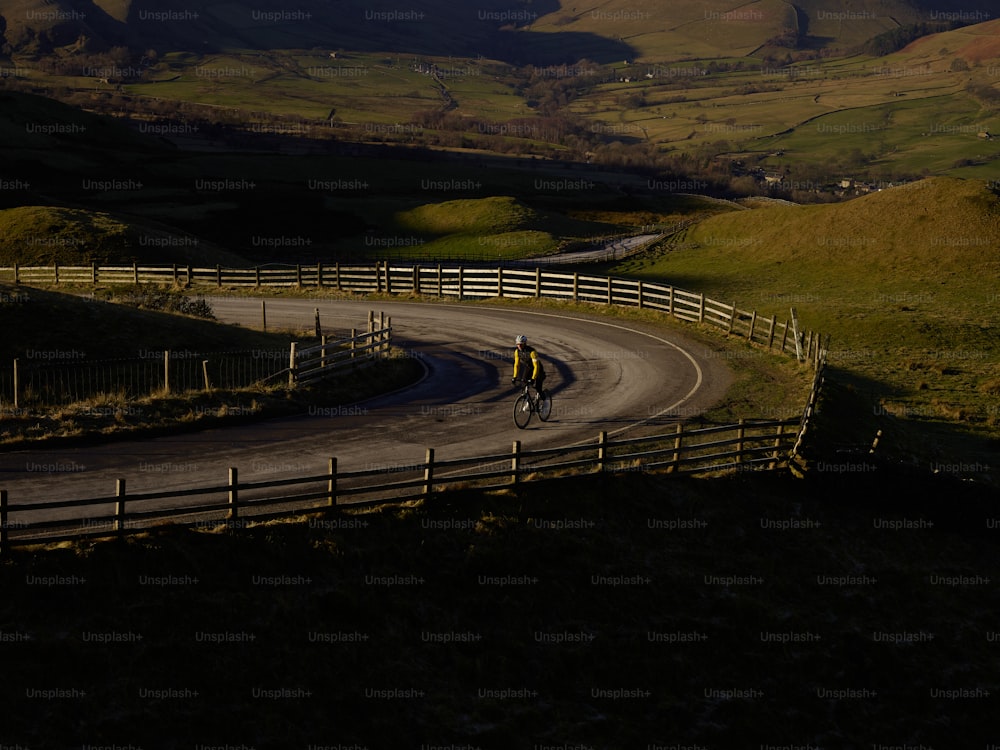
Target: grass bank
[903, 281]
[602, 611]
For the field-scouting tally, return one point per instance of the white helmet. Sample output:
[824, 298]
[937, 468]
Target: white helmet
[522, 339]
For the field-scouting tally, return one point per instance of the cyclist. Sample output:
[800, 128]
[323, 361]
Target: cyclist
[525, 356]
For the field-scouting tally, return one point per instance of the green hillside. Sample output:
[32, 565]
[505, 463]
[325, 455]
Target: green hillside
[929, 232]
[496, 214]
[905, 283]
[45, 235]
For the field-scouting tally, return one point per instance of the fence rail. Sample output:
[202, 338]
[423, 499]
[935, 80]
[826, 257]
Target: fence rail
[456, 281]
[746, 446]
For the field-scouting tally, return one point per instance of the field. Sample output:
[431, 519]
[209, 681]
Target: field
[911, 112]
[814, 120]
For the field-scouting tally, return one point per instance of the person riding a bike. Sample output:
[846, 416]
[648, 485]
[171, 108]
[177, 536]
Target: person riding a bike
[524, 357]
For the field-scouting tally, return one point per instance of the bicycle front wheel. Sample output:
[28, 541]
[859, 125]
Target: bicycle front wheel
[522, 411]
[544, 407]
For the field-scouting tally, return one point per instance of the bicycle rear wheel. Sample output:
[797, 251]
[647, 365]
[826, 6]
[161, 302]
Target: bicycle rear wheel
[544, 407]
[522, 411]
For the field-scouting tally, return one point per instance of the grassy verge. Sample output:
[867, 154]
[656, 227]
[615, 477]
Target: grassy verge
[125, 322]
[604, 611]
[112, 417]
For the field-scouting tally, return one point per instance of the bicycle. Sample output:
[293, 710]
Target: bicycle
[528, 403]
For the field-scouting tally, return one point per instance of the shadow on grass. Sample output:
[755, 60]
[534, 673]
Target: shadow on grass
[851, 418]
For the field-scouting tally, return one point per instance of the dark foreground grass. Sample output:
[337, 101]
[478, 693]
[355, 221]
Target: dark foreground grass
[852, 610]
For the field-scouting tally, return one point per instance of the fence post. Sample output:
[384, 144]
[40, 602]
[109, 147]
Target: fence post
[190, 276]
[602, 451]
[639, 295]
[440, 282]
[429, 473]
[701, 308]
[263, 314]
[670, 299]
[256, 272]
[291, 364]
[388, 278]
[135, 272]
[318, 328]
[234, 497]
[120, 508]
[795, 335]
[93, 273]
[166, 371]
[538, 281]
[354, 342]
[740, 435]
[732, 319]
[319, 275]
[331, 485]
[878, 436]
[753, 322]
[576, 285]
[17, 385]
[4, 526]
[515, 463]
[55, 273]
[336, 275]
[416, 280]
[611, 291]
[500, 282]
[17, 274]
[461, 283]
[770, 333]
[777, 447]
[677, 449]
[204, 371]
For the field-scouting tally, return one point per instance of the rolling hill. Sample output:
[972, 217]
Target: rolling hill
[545, 31]
[46, 235]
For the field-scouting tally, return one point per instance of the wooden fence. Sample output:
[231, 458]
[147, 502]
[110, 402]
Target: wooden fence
[461, 282]
[746, 446]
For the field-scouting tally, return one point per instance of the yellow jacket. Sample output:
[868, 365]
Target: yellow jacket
[522, 358]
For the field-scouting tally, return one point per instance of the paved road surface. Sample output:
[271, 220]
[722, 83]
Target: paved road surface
[603, 374]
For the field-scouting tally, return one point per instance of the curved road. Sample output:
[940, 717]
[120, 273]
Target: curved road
[604, 375]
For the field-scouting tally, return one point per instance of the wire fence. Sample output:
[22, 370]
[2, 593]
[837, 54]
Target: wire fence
[32, 384]
[46, 383]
